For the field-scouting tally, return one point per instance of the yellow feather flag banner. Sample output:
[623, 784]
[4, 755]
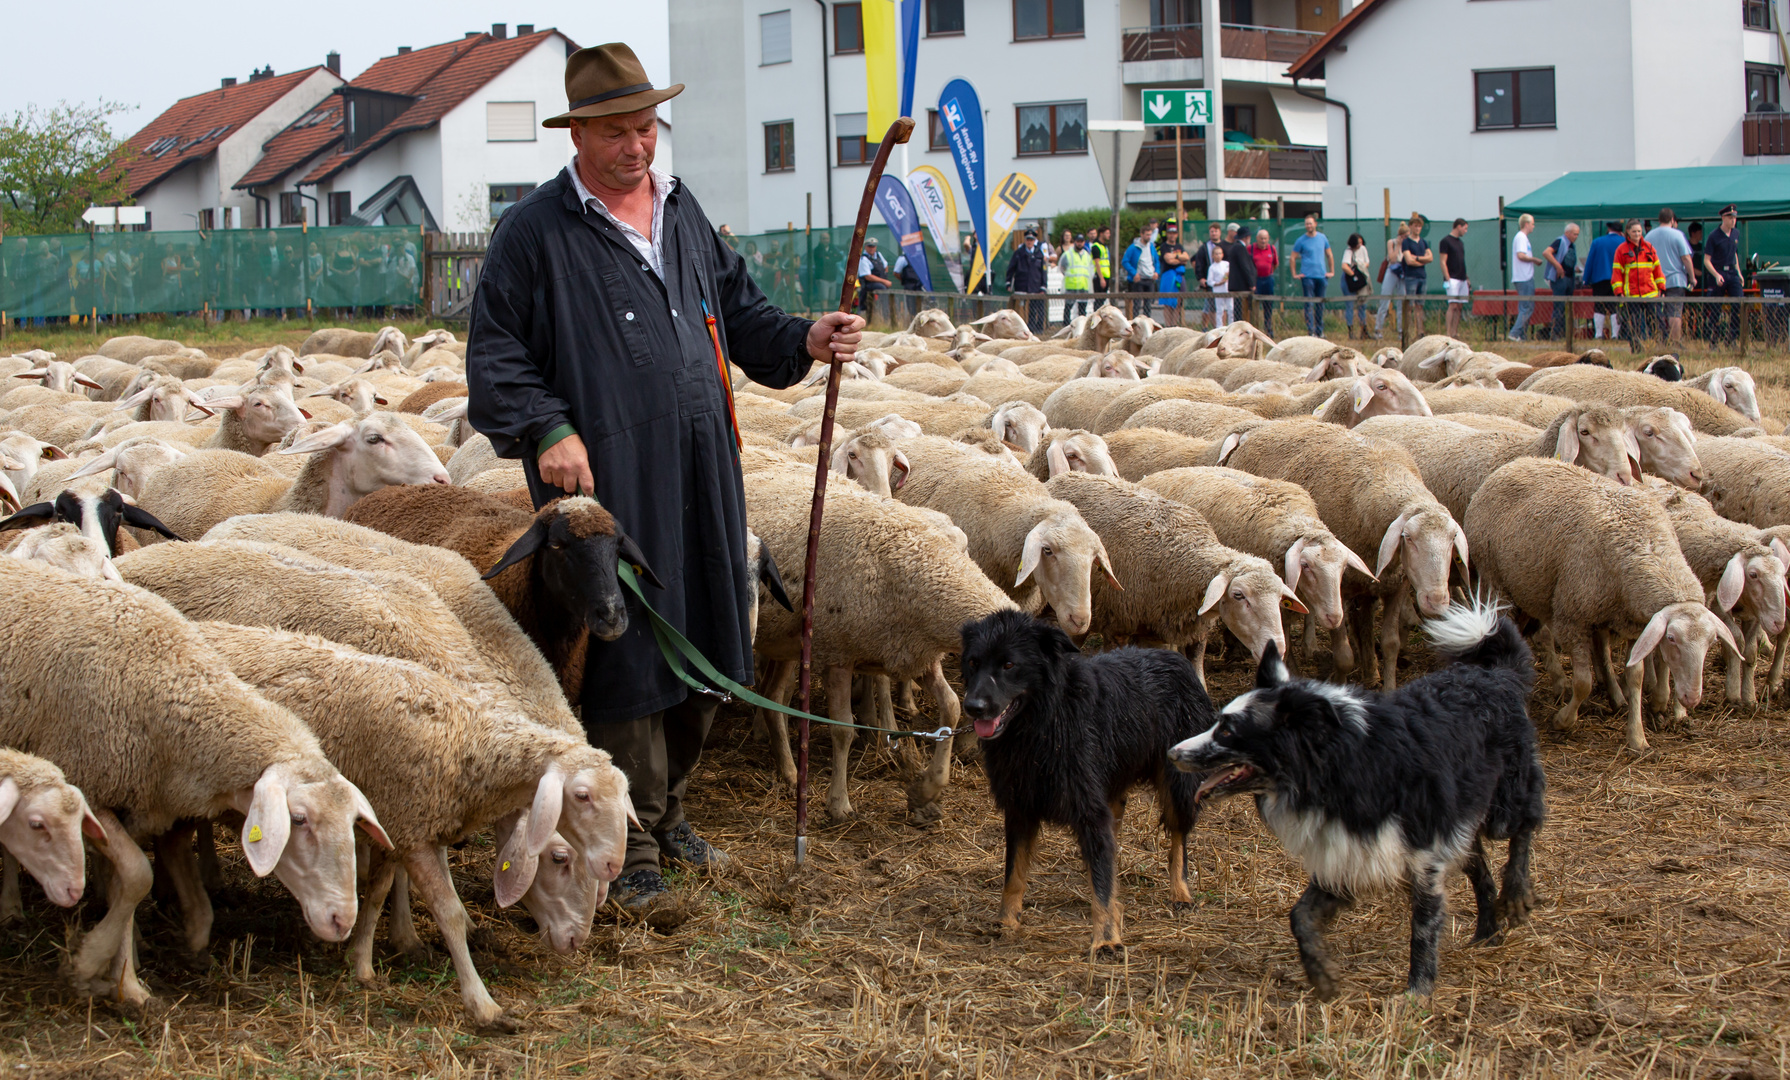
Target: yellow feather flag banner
[1004, 207]
[882, 66]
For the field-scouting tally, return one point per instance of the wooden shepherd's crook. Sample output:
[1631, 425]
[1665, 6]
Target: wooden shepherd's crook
[898, 133]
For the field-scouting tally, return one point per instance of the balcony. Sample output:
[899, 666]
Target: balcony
[1304, 164]
[1185, 41]
[1761, 135]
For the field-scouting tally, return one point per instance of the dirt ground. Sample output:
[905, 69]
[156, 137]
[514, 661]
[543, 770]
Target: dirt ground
[1657, 949]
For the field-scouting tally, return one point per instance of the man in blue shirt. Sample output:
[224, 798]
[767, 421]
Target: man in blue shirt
[1313, 264]
[1562, 273]
[1675, 262]
[1600, 261]
[1415, 254]
[1721, 261]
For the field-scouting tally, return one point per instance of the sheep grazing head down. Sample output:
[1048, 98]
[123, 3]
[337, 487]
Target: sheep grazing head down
[1682, 633]
[583, 798]
[42, 821]
[1426, 538]
[298, 824]
[575, 546]
[373, 451]
[1734, 388]
[872, 459]
[1385, 392]
[1079, 451]
[1667, 443]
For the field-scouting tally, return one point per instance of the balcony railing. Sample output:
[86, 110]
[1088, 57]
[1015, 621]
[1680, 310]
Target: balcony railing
[1184, 42]
[1156, 161]
[1764, 134]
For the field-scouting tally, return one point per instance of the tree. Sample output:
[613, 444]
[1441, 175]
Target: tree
[55, 163]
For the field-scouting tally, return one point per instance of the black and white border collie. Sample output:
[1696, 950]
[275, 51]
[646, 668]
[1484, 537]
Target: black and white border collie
[1373, 790]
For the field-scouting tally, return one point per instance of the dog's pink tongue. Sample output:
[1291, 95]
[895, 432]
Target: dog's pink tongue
[985, 728]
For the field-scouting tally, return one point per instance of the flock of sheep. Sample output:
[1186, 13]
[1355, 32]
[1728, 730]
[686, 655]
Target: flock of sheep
[320, 663]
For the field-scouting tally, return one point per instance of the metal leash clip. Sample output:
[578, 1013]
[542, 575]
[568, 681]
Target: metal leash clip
[938, 736]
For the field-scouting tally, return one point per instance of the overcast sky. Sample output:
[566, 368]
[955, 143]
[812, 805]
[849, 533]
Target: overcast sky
[151, 55]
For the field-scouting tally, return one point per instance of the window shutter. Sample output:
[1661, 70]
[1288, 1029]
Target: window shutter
[773, 34]
[509, 121]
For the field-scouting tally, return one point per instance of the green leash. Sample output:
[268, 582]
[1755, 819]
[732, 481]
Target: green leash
[671, 644]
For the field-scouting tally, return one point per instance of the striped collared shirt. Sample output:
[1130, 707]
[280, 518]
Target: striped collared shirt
[651, 248]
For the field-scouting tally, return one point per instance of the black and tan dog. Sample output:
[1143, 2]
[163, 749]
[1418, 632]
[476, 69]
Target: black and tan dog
[1064, 736]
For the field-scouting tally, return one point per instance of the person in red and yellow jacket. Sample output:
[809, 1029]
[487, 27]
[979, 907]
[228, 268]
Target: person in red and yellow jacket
[1636, 275]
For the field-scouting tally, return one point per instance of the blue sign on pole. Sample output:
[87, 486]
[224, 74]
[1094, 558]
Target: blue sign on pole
[909, 16]
[961, 112]
[897, 207]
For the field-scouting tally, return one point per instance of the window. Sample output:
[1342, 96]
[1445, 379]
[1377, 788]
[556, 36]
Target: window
[1756, 14]
[944, 17]
[1240, 118]
[848, 28]
[1046, 19]
[1053, 129]
[292, 208]
[938, 137]
[1762, 89]
[504, 196]
[773, 38]
[207, 219]
[1513, 99]
[854, 148]
[509, 121]
[780, 146]
[341, 207]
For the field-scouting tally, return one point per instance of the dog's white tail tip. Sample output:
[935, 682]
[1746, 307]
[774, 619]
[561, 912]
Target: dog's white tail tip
[1463, 626]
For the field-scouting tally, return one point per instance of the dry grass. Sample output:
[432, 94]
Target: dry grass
[1657, 949]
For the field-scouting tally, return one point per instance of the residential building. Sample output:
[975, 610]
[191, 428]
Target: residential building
[782, 100]
[186, 161]
[1444, 106]
[445, 137]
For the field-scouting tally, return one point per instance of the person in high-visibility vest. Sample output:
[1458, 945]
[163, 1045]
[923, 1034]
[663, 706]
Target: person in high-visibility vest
[1103, 258]
[1077, 265]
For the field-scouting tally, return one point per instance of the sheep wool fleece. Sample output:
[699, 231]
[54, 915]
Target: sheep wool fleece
[570, 327]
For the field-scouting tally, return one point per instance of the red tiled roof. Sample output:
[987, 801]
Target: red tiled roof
[298, 143]
[439, 77]
[191, 128]
[1305, 66]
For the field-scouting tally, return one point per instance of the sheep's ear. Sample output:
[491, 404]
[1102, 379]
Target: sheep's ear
[9, 797]
[630, 551]
[1230, 445]
[1028, 560]
[1354, 560]
[1722, 631]
[107, 460]
[1364, 393]
[1782, 552]
[1460, 546]
[1389, 544]
[32, 374]
[1318, 371]
[82, 380]
[138, 518]
[90, 824]
[1435, 360]
[1728, 589]
[366, 818]
[526, 544]
[267, 824]
[219, 404]
[899, 468]
[1717, 390]
[134, 400]
[1633, 447]
[1271, 672]
[108, 571]
[1106, 564]
[332, 436]
[1649, 639]
[30, 517]
[209, 408]
[515, 866]
[1292, 601]
[1214, 592]
[772, 578]
[377, 400]
[1058, 461]
[1293, 569]
[543, 814]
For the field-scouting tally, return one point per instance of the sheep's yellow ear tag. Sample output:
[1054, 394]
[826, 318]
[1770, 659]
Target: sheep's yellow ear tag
[254, 833]
[506, 865]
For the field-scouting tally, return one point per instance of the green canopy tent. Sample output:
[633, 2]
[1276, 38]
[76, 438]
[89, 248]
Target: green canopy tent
[1760, 191]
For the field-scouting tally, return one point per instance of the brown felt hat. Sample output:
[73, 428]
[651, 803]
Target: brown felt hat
[607, 80]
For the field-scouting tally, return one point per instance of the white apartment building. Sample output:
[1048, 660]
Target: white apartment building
[774, 113]
[1452, 104]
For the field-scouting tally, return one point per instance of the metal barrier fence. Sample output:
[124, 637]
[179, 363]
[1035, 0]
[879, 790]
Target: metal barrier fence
[1710, 323]
[86, 275]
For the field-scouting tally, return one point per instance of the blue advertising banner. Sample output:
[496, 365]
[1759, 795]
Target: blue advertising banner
[909, 19]
[961, 111]
[898, 210]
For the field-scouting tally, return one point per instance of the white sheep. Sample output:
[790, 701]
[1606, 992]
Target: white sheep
[1730, 386]
[118, 740]
[42, 820]
[1592, 559]
[1071, 450]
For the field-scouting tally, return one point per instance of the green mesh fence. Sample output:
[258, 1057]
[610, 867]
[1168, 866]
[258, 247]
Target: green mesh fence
[802, 270]
[134, 273]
